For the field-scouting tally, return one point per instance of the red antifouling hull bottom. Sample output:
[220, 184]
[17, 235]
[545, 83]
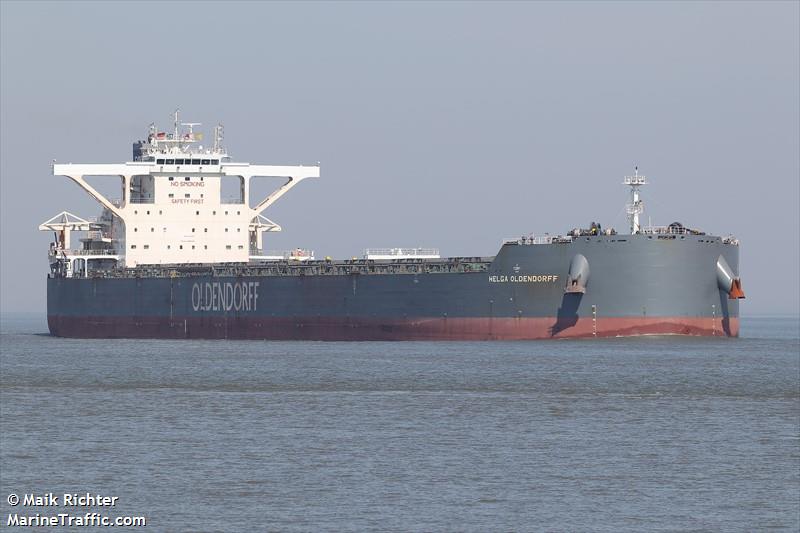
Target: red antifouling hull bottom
[363, 329]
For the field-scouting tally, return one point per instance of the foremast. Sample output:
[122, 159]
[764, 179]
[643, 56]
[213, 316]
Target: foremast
[636, 207]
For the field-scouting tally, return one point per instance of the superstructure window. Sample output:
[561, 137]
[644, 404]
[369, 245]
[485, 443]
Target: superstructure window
[195, 161]
[152, 230]
[192, 230]
[171, 178]
[133, 246]
[228, 247]
[169, 162]
[187, 178]
[206, 162]
[135, 229]
[146, 246]
[215, 161]
[159, 161]
[171, 195]
[186, 195]
[241, 247]
[179, 161]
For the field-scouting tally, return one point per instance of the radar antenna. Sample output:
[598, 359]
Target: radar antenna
[636, 207]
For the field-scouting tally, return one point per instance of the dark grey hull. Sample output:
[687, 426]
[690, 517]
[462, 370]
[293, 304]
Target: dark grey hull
[632, 284]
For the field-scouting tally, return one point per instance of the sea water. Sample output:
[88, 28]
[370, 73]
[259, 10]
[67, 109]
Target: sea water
[649, 433]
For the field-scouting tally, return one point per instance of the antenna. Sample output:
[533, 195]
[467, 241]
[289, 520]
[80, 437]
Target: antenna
[191, 126]
[636, 207]
[218, 138]
[176, 124]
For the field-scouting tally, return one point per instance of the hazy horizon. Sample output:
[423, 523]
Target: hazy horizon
[450, 125]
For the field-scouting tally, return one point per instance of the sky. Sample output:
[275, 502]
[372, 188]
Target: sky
[449, 125]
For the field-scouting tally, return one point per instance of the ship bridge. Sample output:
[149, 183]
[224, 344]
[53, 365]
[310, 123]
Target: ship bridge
[171, 209]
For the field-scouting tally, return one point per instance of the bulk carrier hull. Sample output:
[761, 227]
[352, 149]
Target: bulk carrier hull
[629, 285]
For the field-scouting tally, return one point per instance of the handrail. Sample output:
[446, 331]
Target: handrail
[402, 251]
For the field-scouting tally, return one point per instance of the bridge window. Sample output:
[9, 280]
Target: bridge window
[133, 246]
[159, 161]
[169, 162]
[215, 161]
[195, 161]
[146, 246]
[206, 162]
[179, 161]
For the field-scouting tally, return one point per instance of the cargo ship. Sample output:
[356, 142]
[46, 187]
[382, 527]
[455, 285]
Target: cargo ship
[174, 257]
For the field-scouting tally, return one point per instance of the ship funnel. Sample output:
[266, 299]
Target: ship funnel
[727, 281]
[578, 276]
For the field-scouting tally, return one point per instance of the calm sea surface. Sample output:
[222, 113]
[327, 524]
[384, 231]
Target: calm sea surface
[657, 433]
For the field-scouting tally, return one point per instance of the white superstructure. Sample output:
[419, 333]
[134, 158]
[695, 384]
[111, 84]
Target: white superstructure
[171, 209]
[401, 253]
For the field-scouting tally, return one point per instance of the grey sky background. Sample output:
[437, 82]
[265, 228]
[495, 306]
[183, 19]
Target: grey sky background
[437, 124]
